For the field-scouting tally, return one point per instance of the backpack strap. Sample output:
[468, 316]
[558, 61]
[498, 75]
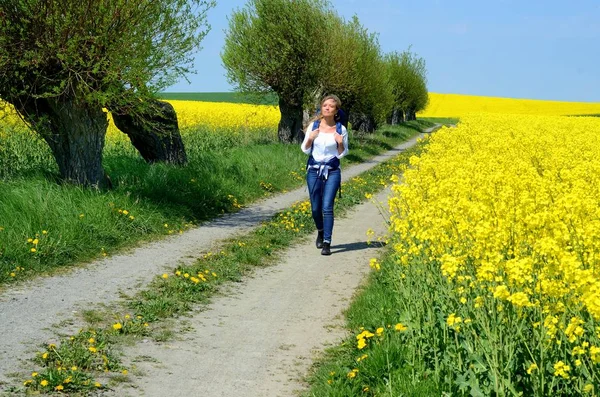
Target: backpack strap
[338, 126]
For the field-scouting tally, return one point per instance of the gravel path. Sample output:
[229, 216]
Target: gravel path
[29, 313]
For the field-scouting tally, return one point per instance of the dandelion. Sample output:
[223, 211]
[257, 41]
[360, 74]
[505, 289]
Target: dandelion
[117, 326]
[59, 387]
[400, 327]
[92, 349]
[165, 276]
[44, 383]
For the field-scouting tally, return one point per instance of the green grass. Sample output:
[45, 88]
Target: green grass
[231, 97]
[45, 226]
[385, 366]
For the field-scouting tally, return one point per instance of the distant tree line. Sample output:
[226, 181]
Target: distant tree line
[303, 50]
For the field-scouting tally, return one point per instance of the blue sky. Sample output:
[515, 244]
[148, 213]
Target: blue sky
[519, 49]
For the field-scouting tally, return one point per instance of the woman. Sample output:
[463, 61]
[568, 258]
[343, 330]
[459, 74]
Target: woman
[326, 141]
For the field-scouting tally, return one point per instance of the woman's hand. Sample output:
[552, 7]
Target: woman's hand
[339, 139]
[313, 134]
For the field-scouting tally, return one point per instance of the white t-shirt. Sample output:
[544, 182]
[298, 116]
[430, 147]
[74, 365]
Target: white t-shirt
[324, 147]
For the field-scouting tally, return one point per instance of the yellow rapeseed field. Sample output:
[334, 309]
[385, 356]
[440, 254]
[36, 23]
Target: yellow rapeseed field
[454, 105]
[503, 211]
[213, 115]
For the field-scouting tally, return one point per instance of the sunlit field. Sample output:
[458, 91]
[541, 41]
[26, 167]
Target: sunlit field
[496, 230]
[455, 105]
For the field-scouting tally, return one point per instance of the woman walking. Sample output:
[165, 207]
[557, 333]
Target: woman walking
[326, 142]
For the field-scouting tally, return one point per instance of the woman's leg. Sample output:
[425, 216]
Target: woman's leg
[330, 190]
[315, 191]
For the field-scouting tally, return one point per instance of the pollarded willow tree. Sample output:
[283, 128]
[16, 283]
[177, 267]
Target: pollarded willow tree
[278, 46]
[63, 61]
[357, 73]
[408, 82]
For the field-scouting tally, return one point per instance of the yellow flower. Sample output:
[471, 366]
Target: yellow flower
[532, 368]
[124, 372]
[400, 327]
[33, 250]
[59, 387]
[379, 331]
[92, 340]
[45, 356]
[73, 368]
[561, 369]
[35, 242]
[165, 276]
[92, 349]
[588, 388]
[44, 383]
[117, 326]
[361, 344]
[97, 384]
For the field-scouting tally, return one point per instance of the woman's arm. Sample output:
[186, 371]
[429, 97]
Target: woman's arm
[342, 141]
[306, 145]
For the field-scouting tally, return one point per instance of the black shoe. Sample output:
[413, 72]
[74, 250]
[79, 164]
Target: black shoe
[319, 242]
[326, 249]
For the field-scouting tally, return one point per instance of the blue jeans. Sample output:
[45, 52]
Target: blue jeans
[322, 195]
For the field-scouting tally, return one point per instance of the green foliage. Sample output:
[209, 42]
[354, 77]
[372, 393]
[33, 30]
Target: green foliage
[356, 71]
[276, 46]
[109, 52]
[408, 82]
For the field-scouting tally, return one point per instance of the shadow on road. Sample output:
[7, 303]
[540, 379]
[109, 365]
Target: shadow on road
[355, 246]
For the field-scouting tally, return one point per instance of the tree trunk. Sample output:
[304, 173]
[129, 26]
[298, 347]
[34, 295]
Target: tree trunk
[397, 117]
[75, 133]
[411, 115]
[155, 133]
[290, 126]
[362, 123]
